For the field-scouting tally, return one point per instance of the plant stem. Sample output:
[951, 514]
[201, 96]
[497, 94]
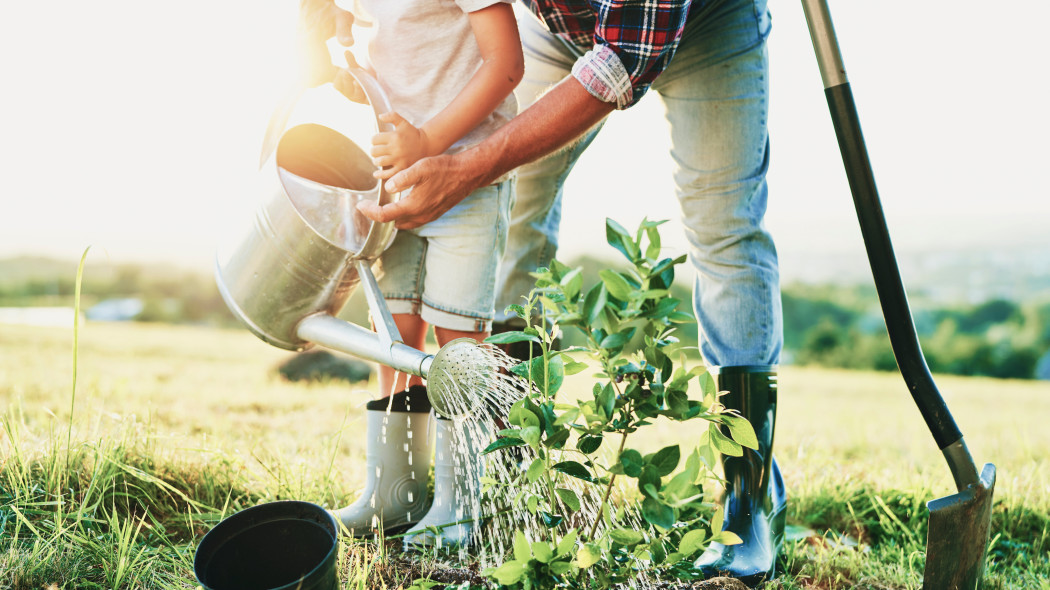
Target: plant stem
[612, 476]
[76, 347]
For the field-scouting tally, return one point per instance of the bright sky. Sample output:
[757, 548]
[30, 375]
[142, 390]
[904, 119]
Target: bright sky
[134, 127]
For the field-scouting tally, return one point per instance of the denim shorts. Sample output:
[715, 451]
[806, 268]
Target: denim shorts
[445, 271]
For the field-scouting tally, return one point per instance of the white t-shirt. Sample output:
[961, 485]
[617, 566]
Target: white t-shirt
[423, 53]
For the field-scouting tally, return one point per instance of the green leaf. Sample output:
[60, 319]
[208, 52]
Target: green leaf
[567, 417]
[559, 568]
[632, 462]
[681, 317]
[549, 417]
[741, 431]
[662, 309]
[569, 498]
[677, 405]
[681, 487]
[572, 282]
[542, 551]
[618, 238]
[573, 367]
[589, 443]
[567, 543]
[724, 444]
[521, 415]
[531, 435]
[692, 541]
[626, 537]
[574, 469]
[617, 285]
[614, 341]
[546, 374]
[657, 513]
[588, 555]
[594, 303]
[510, 573]
[511, 337]
[535, 470]
[666, 460]
[707, 384]
[606, 400]
[522, 549]
[658, 551]
[727, 538]
[648, 480]
[501, 443]
[516, 310]
[653, 250]
[556, 440]
[550, 520]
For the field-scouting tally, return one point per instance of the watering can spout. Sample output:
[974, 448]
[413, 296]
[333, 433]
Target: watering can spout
[454, 375]
[330, 332]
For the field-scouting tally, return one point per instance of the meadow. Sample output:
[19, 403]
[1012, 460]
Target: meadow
[169, 429]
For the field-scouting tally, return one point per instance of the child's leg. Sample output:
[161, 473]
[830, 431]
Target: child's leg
[413, 332]
[445, 335]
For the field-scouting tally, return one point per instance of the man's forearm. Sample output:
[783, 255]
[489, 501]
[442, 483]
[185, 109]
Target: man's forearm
[554, 121]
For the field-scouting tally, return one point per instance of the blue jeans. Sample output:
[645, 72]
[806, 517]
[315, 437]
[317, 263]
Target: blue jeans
[715, 93]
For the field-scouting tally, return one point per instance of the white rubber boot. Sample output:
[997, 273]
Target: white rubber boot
[456, 510]
[398, 462]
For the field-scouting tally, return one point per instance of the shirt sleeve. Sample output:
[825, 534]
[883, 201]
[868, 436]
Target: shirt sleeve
[633, 43]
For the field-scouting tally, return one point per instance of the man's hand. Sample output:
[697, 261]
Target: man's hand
[393, 151]
[437, 184]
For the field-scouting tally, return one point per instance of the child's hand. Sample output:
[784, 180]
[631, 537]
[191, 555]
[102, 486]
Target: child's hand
[393, 151]
[346, 84]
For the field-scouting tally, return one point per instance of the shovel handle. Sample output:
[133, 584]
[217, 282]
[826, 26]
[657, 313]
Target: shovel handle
[892, 297]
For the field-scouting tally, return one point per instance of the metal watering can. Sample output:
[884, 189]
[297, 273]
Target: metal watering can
[308, 248]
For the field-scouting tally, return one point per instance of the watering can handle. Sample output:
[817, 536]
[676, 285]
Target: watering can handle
[384, 322]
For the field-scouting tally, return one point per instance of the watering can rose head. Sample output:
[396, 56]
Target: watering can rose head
[459, 376]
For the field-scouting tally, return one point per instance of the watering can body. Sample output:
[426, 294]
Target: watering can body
[307, 249]
[299, 255]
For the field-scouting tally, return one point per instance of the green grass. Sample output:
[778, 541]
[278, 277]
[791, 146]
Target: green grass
[174, 428]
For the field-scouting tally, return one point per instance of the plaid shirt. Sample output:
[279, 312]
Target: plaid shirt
[632, 41]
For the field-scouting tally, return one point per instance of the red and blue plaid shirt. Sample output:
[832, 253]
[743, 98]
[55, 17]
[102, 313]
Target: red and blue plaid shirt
[632, 41]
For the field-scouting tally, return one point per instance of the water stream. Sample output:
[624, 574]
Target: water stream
[496, 516]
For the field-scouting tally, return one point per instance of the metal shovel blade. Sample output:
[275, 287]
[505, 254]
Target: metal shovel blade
[958, 536]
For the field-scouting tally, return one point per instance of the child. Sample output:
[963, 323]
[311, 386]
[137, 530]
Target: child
[449, 68]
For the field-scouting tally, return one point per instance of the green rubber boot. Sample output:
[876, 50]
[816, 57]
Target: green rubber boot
[755, 497]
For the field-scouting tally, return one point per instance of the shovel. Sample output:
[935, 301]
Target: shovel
[959, 524]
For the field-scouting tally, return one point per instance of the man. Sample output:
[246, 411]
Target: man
[707, 62]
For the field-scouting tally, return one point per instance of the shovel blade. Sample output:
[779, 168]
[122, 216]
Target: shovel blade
[958, 537]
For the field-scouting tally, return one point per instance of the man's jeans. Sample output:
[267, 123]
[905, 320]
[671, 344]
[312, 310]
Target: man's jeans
[715, 92]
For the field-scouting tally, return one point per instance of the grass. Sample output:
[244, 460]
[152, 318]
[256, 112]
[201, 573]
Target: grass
[174, 428]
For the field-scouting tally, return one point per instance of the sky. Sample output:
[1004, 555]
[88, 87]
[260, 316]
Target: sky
[134, 127]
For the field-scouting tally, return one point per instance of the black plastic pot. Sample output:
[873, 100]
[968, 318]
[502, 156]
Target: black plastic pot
[277, 546]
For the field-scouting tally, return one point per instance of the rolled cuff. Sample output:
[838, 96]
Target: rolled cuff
[602, 73]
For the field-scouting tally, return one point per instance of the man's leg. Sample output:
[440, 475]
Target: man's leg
[533, 238]
[716, 95]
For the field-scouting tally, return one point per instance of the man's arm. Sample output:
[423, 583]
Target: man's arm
[440, 182]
